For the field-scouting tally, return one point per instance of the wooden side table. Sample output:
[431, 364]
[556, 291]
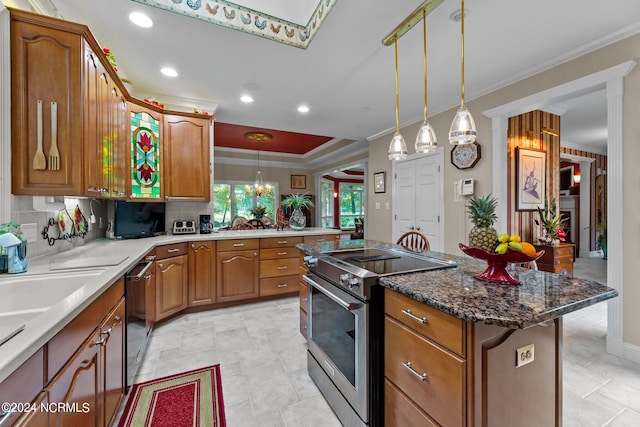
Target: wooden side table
[557, 259]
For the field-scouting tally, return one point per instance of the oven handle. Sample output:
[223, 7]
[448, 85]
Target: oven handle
[141, 274]
[346, 305]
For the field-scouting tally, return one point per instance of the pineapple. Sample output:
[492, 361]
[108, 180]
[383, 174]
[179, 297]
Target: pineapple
[482, 212]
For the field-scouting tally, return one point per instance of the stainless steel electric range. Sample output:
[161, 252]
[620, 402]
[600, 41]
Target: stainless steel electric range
[345, 326]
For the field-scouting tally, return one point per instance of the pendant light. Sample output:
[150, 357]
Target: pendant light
[463, 128]
[426, 140]
[259, 188]
[397, 148]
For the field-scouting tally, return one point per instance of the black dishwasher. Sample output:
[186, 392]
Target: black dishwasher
[138, 279]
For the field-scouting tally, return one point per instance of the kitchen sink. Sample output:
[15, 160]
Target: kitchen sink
[41, 291]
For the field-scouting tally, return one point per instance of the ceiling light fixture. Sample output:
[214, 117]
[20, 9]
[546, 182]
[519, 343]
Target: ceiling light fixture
[463, 128]
[169, 72]
[259, 188]
[303, 109]
[397, 147]
[140, 19]
[426, 140]
[246, 99]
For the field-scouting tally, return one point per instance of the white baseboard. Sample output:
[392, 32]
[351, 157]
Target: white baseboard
[624, 350]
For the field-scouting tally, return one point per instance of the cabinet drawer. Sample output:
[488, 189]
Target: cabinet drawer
[237, 244]
[442, 393]
[277, 253]
[563, 252]
[438, 326]
[322, 238]
[62, 346]
[278, 285]
[400, 411]
[279, 242]
[168, 251]
[278, 267]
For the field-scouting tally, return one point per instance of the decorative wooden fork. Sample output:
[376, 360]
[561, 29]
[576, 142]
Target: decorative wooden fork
[54, 155]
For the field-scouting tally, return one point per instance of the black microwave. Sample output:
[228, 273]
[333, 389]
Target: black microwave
[134, 220]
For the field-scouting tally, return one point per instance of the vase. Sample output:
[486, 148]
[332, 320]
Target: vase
[297, 220]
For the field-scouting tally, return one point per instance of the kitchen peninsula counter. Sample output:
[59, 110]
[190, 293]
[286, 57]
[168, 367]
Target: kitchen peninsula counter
[105, 261]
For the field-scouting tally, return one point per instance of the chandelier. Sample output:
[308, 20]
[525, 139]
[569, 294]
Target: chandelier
[259, 187]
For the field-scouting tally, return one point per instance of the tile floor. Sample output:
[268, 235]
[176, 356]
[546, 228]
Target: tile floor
[265, 382]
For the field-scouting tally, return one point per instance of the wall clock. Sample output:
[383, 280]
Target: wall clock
[465, 156]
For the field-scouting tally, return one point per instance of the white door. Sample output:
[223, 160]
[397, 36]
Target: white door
[418, 198]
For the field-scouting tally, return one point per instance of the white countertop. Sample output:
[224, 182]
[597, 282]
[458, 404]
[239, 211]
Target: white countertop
[106, 260]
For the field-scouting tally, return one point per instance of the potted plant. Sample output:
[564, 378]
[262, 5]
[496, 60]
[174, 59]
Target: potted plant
[602, 239]
[297, 221]
[552, 223]
[258, 211]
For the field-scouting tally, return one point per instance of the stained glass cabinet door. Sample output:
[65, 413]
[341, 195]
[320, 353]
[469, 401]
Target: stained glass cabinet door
[145, 156]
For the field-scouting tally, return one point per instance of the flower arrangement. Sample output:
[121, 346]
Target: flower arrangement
[258, 211]
[152, 101]
[110, 57]
[206, 113]
[552, 223]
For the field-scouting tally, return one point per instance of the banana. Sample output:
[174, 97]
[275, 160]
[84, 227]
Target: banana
[503, 238]
[514, 238]
[502, 248]
[515, 246]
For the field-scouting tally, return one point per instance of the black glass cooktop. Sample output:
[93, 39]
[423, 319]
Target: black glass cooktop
[390, 261]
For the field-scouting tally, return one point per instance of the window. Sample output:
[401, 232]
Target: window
[326, 205]
[233, 199]
[351, 203]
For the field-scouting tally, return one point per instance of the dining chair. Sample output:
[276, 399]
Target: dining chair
[243, 226]
[414, 241]
[257, 223]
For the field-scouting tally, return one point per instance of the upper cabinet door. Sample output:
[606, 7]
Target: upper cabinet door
[186, 158]
[145, 139]
[46, 108]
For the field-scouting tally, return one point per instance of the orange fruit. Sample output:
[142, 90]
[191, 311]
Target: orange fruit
[528, 249]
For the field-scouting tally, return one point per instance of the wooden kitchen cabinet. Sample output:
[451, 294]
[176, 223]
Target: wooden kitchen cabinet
[202, 273]
[279, 265]
[186, 158]
[144, 143]
[237, 269]
[46, 64]
[112, 362]
[23, 385]
[557, 258]
[171, 280]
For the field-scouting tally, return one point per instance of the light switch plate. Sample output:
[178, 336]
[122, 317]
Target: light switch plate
[525, 355]
[29, 232]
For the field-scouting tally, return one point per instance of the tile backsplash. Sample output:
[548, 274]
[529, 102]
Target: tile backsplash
[24, 213]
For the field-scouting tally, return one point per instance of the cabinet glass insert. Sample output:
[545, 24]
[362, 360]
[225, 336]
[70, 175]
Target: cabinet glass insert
[145, 151]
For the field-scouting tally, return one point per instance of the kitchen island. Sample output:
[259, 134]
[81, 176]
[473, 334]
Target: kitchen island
[459, 351]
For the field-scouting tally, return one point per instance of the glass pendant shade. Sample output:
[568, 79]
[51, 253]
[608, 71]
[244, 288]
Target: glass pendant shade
[463, 128]
[426, 140]
[397, 148]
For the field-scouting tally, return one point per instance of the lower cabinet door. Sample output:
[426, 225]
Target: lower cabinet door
[38, 417]
[400, 411]
[237, 275]
[77, 387]
[171, 286]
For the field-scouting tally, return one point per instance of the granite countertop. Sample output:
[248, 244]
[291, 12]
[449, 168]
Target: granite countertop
[455, 291]
[105, 261]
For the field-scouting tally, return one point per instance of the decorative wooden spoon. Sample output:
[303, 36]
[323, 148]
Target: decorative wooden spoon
[39, 161]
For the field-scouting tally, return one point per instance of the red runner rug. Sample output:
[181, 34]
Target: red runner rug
[189, 399]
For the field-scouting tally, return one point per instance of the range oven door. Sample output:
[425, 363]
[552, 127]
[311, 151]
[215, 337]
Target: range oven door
[338, 340]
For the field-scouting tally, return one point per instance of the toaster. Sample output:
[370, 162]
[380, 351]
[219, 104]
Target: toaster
[184, 226]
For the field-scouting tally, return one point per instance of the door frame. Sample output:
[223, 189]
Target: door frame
[612, 79]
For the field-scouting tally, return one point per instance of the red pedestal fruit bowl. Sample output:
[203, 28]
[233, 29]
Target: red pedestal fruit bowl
[496, 270]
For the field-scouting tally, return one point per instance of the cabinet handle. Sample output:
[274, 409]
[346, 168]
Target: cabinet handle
[161, 265]
[147, 277]
[101, 342]
[413, 316]
[107, 332]
[305, 299]
[236, 245]
[282, 285]
[282, 242]
[193, 245]
[173, 250]
[319, 240]
[281, 267]
[421, 377]
[282, 253]
[6, 416]
[117, 318]
[150, 258]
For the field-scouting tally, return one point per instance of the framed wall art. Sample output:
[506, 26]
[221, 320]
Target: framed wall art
[378, 182]
[531, 170]
[299, 182]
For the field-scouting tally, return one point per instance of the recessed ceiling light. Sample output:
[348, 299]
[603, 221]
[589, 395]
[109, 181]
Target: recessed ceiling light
[303, 109]
[169, 72]
[246, 98]
[140, 19]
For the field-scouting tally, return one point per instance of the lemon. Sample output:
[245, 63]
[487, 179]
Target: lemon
[514, 238]
[503, 238]
[502, 248]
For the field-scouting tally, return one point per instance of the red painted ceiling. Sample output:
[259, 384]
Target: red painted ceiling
[232, 136]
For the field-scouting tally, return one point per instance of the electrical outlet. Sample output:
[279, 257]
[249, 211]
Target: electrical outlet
[29, 232]
[457, 196]
[525, 355]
